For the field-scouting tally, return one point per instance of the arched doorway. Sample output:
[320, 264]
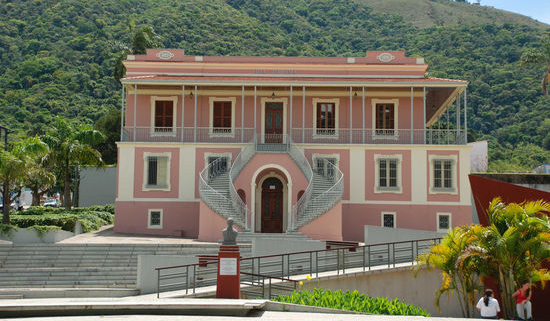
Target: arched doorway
[272, 206]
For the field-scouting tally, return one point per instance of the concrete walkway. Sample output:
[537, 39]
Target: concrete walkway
[107, 235]
[177, 309]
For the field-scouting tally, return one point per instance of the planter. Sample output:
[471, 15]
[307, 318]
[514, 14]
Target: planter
[30, 235]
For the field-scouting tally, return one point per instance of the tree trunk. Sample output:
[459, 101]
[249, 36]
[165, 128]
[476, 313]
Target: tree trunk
[6, 209]
[35, 196]
[67, 187]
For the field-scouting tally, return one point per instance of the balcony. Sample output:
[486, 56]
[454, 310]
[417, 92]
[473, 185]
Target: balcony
[299, 136]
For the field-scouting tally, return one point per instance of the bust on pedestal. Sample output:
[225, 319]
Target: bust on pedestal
[229, 265]
[229, 234]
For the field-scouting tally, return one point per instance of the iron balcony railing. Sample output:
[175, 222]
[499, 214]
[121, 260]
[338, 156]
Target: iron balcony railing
[298, 135]
[255, 270]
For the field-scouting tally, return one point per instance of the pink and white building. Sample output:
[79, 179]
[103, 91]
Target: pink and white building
[320, 146]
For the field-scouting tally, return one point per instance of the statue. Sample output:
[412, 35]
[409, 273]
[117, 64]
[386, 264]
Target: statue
[229, 234]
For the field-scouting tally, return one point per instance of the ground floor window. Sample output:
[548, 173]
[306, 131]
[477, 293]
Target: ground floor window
[443, 222]
[155, 218]
[388, 219]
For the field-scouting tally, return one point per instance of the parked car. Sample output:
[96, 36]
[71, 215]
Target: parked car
[51, 202]
[17, 205]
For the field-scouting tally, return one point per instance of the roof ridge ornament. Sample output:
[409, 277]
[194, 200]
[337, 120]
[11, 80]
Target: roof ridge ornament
[165, 55]
[385, 57]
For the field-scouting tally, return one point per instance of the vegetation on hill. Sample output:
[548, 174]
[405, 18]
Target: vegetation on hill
[58, 57]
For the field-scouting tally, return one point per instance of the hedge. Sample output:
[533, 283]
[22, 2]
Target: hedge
[351, 301]
[91, 218]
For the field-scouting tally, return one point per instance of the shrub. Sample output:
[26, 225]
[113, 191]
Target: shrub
[351, 301]
[91, 218]
[6, 229]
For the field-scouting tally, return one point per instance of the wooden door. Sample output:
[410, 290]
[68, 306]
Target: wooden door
[273, 123]
[272, 206]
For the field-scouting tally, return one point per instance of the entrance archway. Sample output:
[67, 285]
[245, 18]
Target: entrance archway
[272, 206]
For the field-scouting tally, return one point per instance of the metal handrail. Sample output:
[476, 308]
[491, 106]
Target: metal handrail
[311, 262]
[404, 136]
[300, 159]
[240, 162]
[206, 191]
[328, 197]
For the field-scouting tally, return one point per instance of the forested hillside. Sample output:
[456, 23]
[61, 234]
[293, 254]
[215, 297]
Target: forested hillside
[57, 57]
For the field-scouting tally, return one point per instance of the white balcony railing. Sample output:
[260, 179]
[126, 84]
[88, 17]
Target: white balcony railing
[298, 136]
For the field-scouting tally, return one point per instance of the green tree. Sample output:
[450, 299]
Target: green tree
[13, 168]
[539, 57]
[109, 125]
[39, 179]
[71, 146]
[513, 246]
[142, 38]
[458, 273]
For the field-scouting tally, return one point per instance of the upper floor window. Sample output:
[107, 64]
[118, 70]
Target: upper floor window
[163, 114]
[222, 116]
[325, 117]
[384, 117]
[157, 171]
[388, 173]
[443, 174]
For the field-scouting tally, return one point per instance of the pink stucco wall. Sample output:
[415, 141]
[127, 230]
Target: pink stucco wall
[420, 217]
[244, 179]
[139, 173]
[327, 226]
[211, 224]
[405, 175]
[179, 218]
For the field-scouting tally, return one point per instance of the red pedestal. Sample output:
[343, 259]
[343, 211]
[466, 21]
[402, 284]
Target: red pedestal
[229, 273]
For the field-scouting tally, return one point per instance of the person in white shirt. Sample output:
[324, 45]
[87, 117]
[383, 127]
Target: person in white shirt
[488, 306]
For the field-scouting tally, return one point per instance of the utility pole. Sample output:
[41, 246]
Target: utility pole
[6, 131]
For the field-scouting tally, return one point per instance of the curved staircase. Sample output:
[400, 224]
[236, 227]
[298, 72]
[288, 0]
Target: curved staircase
[217, 189]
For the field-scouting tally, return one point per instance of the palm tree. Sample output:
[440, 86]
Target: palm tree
[539, 57]
[458, 273]
[13, 168]
[513, 247]
[39, 179]
[142, 38]
[71, 146]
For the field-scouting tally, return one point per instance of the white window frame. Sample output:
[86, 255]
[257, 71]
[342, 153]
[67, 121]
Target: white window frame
[174, 100]
[146, 156]
[211, 131]
[227, 155]
[384, 189]
[440, 230]
[395, 103]
[315, 156]
[388, 213]
[336, 102]
[444, 190]
[149, 212]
